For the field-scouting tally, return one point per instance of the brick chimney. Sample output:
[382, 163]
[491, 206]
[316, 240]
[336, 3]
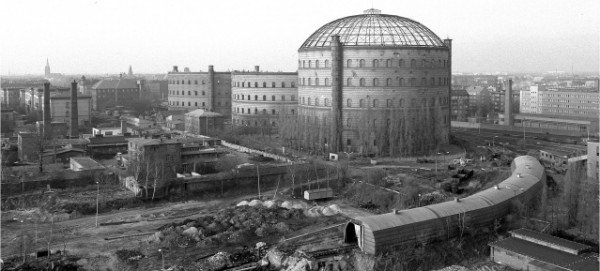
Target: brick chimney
[46, 112]
[74, 125]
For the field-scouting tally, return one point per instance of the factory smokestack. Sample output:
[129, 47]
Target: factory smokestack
[74, 125]
[508, 106]
[46, 113]
[257, 68]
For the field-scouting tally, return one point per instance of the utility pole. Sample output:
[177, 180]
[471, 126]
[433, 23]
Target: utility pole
[97, 198]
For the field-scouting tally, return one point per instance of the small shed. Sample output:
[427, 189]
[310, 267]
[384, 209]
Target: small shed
[84, 163]
[323, 193]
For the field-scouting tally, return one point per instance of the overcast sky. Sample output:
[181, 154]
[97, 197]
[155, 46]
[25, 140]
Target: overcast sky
[106, 36]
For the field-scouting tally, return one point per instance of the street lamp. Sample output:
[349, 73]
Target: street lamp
[419, 201]
[494, 143]
[97, 199]
[162, 257]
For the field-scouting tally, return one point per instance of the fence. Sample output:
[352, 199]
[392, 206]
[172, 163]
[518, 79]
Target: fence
[249, 150]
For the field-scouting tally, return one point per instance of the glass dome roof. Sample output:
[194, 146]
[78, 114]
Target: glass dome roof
[374, 29]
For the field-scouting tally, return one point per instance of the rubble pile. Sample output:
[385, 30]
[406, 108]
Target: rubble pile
[232, 226]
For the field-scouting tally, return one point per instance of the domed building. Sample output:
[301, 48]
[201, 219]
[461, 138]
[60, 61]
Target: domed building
[375, 84]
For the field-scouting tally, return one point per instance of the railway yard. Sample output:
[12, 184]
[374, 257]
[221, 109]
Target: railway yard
[275, 231]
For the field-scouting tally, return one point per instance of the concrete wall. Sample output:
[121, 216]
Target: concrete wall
[249, 150]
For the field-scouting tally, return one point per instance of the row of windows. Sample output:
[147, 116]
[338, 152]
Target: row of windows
[350, 122]
[376, 102]
[256, 122]
[256, 111]
[176, 103]
[589, 101]
[264, 84]
[572, 112]
[388, 82]
[376, 63]
[189, 82]
[264, 97]
[189, 93]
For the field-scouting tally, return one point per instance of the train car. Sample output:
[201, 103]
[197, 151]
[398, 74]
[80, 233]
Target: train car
[374, 234]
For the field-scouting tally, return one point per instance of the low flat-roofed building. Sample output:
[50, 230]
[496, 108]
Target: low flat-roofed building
[85, 163]
[530, 250]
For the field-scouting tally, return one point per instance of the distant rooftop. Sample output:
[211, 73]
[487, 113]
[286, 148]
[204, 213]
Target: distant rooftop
[202, 113]
[116, 84]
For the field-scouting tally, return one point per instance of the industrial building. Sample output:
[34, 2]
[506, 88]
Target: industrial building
[459, 104]
[263, 99]
[120, 92]
[203, 122]
[200, 90]
[374, 83]
[530, 250]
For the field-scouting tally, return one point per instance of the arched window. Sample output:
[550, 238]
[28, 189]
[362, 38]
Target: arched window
[317, 101]
[401, 82]
[310, 64]
[375, 63]
[413, 63]
[273, 98]
[388, 63]
[388, 103]
[439, 63]
[264, 111]
[375, 103]
[432, 81]
[375, 81]
[361, 103]
[248, 97]
[256, 97]
[388, 82]
[255, 111]
[401, 103]
[293, 97]
[423, 61]
[401, 63]
[255, 84]
[308, 100]
[326, 102]
[349, 81]
[361, 63]
[242, 97]
[303, 63]
[362, 82]
[243, 84]
[317, 64]
[264, 97]
[348, 103]
[413, 82]
[326, 63]
[316, 81]
[349, 63]
[204, 93]
[327, 81]
[264, 84]
[423, 81]
[299, 64]
[283, 97]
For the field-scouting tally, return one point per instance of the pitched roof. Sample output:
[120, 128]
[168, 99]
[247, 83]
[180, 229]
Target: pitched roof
[87, 162]
[550, 239]
[116, 84]
[203, 113]
[545, 254]
[459, 92]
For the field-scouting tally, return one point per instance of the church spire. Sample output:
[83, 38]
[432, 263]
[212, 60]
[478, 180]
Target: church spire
[130, 71]
[47, 69]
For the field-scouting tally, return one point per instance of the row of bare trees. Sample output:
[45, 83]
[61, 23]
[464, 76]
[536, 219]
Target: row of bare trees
[148, 171]
[390, 132]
